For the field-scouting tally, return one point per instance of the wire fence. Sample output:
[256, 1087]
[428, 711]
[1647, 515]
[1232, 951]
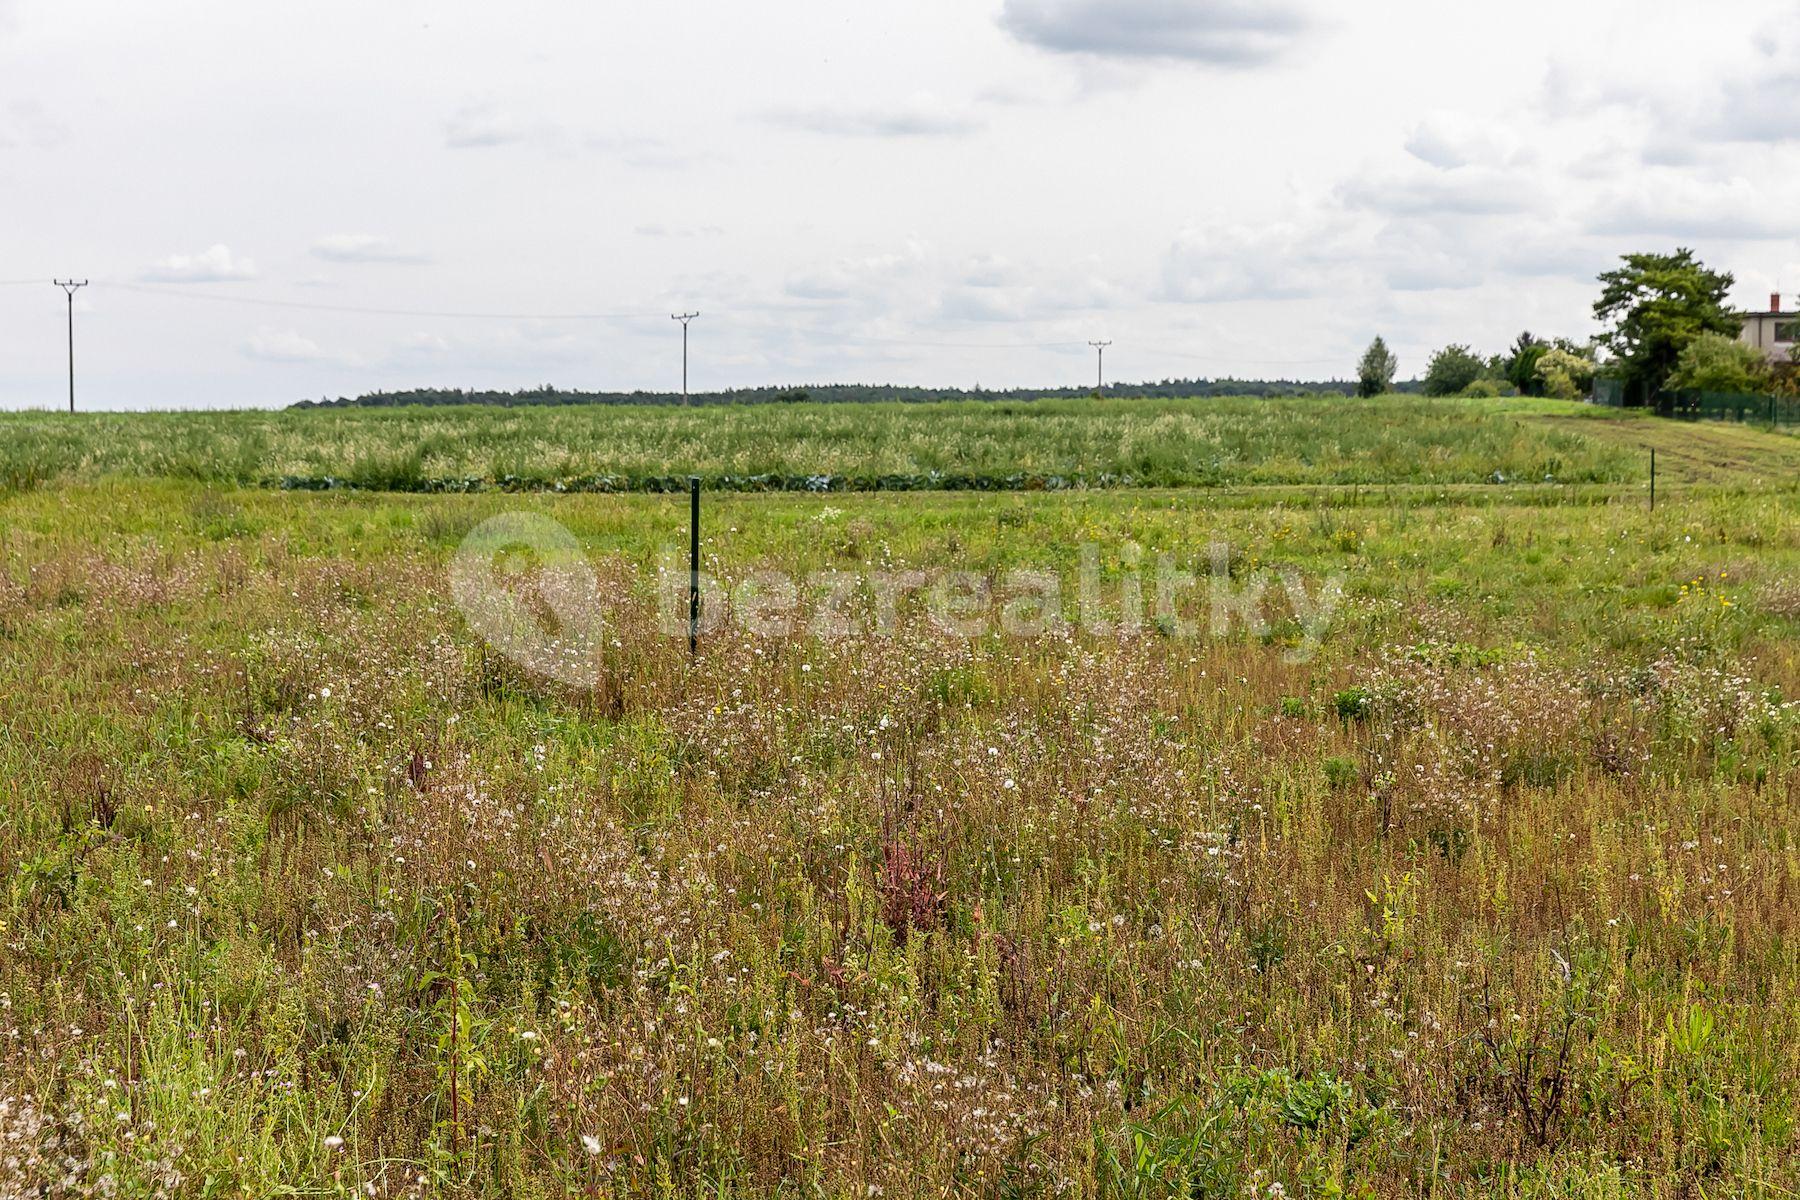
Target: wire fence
[1686, 404]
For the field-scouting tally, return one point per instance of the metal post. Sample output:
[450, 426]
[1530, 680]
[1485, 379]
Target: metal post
[70, 287]
[1100, 365]
[693, 564]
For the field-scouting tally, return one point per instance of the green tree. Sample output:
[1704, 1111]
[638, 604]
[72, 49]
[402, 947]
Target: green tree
[1375, 374]
[1521, 365]
[1452, 370]
[1656, 304]
[1713, 362]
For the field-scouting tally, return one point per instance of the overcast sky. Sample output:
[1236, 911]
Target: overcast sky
[914, 191]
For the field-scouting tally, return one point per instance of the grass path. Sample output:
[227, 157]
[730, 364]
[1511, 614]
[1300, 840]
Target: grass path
[1693, 452]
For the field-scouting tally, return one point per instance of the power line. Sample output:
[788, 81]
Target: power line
[370, 311]
[184, 293]
[879, 341]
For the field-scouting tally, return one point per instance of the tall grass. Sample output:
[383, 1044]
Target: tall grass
[1393, 440]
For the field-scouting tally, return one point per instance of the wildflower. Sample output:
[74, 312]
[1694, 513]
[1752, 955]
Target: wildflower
[334, 1142]
[590, 1143]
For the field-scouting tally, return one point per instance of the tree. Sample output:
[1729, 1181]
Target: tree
[1375, 374]
[1713, 362]
[1563, 372]
[1521, 366]
[1453, 369]
[1657, 304]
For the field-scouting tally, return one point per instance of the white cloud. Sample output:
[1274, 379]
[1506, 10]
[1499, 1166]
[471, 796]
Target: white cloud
[483, 126]
[425, 343]
[1679, 206]
[1220, 32]
[922, 115]
[656, 229]
[1466, 191]
[641, 151]
[989, 271]
[1763, 107]
[864, 281]
[1453, 139]
[362, 248]
[215, 264]
[1214, 262]
[283, 346]
[28, 123]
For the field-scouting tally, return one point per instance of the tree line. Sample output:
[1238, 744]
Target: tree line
[1668, 329]
[836, 393]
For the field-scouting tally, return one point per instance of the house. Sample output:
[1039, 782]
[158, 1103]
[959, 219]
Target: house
[1775, 333]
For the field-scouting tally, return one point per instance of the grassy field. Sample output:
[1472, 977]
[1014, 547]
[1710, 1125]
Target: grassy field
[1145, 443]
[1489, 884]
[1695, 451]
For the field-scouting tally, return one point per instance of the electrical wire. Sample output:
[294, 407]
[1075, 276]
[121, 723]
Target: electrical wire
[368, 311]
[1148, 352]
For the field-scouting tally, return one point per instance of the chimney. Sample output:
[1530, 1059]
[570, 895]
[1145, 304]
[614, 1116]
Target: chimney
[1774, 301]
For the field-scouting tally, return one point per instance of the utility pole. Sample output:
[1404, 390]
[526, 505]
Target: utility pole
[684, 318]
[1100, 365]
[70, 287]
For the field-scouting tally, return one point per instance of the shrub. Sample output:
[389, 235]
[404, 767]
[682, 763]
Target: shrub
[1715, 362]
[1565, 374]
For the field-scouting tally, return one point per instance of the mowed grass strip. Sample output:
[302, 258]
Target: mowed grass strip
[1712, 453]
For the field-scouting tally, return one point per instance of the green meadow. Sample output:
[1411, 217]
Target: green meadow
[1146, 443]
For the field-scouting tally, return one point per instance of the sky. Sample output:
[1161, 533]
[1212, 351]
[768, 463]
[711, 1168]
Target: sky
[275, 202]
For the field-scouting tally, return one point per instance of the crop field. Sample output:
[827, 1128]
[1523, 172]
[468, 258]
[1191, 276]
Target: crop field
[1050, 443]
[1418, 827]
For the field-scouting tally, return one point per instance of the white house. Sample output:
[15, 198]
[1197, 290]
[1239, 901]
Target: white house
[1775, 333]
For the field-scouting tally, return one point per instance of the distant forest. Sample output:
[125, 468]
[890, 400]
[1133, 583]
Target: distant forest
[842, 393]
